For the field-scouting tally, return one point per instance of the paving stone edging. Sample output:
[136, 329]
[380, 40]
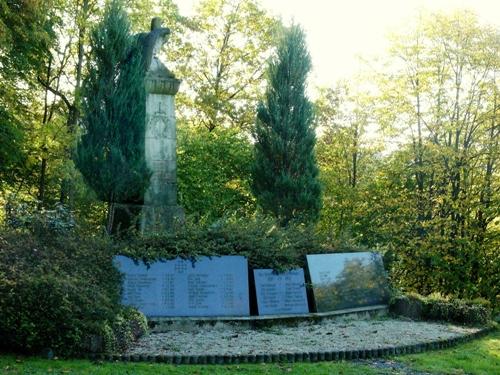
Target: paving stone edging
[336, 355]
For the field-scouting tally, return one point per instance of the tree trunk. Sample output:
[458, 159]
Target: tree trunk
[43, 165]
[73, 112]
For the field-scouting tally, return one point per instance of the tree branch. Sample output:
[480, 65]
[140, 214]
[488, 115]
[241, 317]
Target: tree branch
[56, 92]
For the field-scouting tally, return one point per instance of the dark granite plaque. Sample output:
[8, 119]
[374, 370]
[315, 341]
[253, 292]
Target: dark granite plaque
[347, 280]
[216, 286]
[283, 293]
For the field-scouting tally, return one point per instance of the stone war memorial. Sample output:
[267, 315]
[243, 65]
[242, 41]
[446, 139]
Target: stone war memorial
[219, 286]
[173, 193]
[223, 285]
[160, 209]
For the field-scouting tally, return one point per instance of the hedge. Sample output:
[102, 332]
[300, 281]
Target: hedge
[60, 293]
[415, 306]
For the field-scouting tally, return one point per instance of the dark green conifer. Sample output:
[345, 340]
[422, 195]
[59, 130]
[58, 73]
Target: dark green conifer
[110, 153]
[285, 173]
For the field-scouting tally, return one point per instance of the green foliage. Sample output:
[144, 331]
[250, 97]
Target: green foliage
[137, 322]
[427, 256]
[140, 15]
[430, 199]
[285, 173]
[480, 357]
[409, 305]
[260, 239]
[459, 311]
[55, 290]
[214, 172]
[222, 63]
[39, 221]
[441, 185]
[126, 328]
[348, 164]
[11, 140]
[110, 153]
[27, 32]
[436, 307]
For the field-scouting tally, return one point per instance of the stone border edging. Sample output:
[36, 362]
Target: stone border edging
[336, 355]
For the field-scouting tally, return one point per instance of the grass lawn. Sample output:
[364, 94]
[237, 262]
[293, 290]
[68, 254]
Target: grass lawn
[8, 365]
[477, 357]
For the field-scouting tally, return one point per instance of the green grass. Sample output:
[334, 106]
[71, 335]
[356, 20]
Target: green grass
[9, 365]
[477, 357]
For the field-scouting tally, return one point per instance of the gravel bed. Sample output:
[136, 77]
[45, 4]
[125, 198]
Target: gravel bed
[327, 335]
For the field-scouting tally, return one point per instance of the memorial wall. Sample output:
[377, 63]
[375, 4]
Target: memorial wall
[219, 286]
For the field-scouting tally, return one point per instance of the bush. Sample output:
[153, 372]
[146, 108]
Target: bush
[56, 291]
[26, 215]
[436, 307]
[458, 311]
[410, 306]
[127, 327]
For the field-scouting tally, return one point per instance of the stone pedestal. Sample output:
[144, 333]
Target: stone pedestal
[160, 210]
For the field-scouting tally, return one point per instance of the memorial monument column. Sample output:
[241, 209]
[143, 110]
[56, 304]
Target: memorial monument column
[160, 210]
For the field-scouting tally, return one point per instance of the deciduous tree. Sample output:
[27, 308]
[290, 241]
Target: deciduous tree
[224, 63]
[441, 95]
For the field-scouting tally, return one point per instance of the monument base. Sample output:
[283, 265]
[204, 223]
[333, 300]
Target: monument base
[160, 324]
[161, 218]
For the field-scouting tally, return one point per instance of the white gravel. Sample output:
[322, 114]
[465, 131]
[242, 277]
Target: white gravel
[327, 335]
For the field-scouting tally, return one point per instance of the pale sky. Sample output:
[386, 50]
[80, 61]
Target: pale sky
[338, 31]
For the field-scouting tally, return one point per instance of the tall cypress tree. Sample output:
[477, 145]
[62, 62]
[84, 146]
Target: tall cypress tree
[285, 173]
[110, 153]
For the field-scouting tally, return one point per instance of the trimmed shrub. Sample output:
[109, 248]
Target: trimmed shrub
[56, 291]
[436, 307]
[137, 322]
[458, 311]
[409, 306]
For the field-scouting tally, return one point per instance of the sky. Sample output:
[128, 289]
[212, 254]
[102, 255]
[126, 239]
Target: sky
[339, 31]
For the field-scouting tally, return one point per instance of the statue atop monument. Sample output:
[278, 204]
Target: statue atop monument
[151, 44]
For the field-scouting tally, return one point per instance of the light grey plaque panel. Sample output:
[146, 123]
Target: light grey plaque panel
[283, 293]
[216, 286]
